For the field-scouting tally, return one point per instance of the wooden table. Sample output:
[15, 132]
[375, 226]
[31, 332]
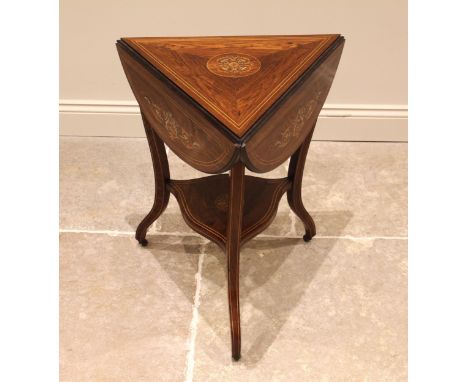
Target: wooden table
[226, 104]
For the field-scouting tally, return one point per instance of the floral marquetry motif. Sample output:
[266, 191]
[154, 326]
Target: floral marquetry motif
[233, 65]
[176, 133]
[297, 123]
[222, 202]
[235, 79]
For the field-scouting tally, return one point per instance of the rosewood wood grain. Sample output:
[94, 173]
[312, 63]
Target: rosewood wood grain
[235, 78]
[261, 199]
[233, 244]
[204, 204]
[161, 177]
[186, 131]
[288, 125]
[295, 174]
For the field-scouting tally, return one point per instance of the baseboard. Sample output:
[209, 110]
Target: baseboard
[348, 122]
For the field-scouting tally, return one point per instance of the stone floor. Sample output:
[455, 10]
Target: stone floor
[334, 309]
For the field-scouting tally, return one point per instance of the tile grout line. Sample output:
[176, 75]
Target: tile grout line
[350, 237]
[97, 231]
[286, 236]
[190, 359]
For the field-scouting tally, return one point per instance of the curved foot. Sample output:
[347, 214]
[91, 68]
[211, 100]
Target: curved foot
[161, 176]
[307, 237]
[295, 173]
[306, 219]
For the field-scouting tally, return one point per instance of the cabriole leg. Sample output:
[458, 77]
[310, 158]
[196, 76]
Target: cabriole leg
[161, 176]
[295, 173]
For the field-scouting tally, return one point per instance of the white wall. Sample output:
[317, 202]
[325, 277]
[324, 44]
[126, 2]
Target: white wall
[368, 100]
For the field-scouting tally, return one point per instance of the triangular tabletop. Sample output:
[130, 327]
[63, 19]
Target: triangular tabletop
[236, 79]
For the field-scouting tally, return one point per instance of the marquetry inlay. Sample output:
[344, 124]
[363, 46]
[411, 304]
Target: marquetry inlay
[222, 202]
[176, 132]
[235, 79]
[296, 123]
[233, 65]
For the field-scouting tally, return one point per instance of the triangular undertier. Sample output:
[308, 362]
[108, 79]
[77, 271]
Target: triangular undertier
[204, 203]
[236, 79]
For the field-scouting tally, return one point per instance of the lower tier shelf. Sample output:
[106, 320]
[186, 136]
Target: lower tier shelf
[204, 203]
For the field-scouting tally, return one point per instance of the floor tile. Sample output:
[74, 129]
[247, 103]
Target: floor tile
[357, 188]
[125, 311]
[328, 310]
[101, 180]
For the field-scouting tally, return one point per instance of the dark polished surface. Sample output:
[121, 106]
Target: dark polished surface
[230, 209]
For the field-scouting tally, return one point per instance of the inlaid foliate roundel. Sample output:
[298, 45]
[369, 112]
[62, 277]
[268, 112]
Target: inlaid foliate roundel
[233, 65]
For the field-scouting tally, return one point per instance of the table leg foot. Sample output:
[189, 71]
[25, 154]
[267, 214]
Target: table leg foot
[307, 237]
[307, 221]
[295, 174]
[161, 176]
[143, 242]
